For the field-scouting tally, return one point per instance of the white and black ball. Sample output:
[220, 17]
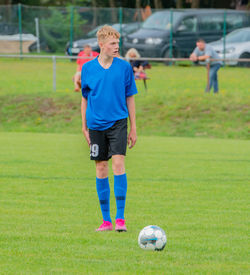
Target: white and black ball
[152, 237]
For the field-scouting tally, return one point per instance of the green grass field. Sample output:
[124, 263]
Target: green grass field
[195, 189]
[175, 104]
[188, 173]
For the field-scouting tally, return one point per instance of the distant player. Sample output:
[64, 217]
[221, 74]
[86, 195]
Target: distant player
[89, 55]
[108, 87]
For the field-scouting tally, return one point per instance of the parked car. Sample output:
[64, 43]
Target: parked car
[91, 39]
[237, 46]
[153, 38]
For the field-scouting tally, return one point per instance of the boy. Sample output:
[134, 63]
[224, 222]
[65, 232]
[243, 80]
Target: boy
[108, 87]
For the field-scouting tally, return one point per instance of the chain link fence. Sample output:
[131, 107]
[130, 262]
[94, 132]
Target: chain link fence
[159, 33]
[53, 29]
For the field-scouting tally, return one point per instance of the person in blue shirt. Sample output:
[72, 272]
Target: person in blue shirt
[108, 89]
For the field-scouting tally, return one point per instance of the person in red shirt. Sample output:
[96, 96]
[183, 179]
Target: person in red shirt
[87, 52]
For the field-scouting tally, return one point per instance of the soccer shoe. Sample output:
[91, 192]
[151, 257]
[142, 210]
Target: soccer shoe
[120, 225]
[105, 226]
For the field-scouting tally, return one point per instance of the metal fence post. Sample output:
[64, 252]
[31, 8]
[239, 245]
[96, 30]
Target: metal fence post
[71, 28]
[37, 35]
[54, 72]
[120, 21]
[20, 27]
[224, 35]
[171, 36]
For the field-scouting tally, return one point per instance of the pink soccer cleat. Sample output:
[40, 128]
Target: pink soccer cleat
[105, 226]
[120, 225]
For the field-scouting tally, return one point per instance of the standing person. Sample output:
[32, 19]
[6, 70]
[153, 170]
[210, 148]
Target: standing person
[87, 52]
[203, 52]
[108, 89]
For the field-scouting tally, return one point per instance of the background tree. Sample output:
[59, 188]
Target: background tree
[179, 4]
[195, 4]
[158, 4]
[113, 12]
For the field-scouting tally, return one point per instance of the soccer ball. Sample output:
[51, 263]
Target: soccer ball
[152, 237]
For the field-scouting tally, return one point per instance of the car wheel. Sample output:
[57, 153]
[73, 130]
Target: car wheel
[244, 64]
[167, 54]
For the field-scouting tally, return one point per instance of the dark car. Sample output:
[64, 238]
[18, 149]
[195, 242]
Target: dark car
[153, 38]
[91, 39]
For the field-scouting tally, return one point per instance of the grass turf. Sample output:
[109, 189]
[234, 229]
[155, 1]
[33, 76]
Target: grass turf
[175, 104]
[195, 189]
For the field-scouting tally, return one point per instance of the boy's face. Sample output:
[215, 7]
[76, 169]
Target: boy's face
[87, 50]
[110, 47]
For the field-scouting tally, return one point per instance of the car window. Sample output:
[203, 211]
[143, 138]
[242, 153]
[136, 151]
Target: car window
[160, 20]
[234, 21]
[93, 32]
[247, 38]
[211, 22]
[188, 24]
[238, 36]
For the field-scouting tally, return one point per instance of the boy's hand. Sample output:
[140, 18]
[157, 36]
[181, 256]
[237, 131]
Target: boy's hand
[132, 137]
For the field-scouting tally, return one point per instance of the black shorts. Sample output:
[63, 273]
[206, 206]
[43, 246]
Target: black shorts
[112, 141]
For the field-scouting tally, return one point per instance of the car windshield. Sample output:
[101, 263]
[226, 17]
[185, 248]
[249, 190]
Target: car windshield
[93, 32]
[238, 36]
[160, 21]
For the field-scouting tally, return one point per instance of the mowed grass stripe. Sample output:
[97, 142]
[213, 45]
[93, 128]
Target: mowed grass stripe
[195, 189]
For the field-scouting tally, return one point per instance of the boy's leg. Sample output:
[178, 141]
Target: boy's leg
[103, 191]
[102, 187]
[99, 153]
[120, 184]
[117, 136]
[120, 189]
[77, 81]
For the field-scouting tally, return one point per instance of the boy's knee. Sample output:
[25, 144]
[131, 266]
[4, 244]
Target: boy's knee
[102, 169]
[118, 167]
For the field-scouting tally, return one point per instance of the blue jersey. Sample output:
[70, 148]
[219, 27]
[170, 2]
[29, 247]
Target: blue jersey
[106, 91]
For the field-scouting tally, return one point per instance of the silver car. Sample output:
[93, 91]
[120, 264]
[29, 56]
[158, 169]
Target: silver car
[237, 46]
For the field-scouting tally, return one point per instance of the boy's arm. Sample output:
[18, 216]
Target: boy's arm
[84, 123]
[131, 110]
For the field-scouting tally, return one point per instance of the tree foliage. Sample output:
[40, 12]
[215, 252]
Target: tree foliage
[129, 3]
[57, 35]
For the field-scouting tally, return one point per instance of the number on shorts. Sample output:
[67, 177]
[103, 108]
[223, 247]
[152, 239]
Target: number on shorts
[94, 150]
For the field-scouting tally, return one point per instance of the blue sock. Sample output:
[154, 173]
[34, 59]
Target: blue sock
[103, 191]
[120, 188]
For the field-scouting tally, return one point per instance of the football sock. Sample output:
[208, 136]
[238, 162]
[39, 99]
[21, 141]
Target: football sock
[103, 191]
[120, 188]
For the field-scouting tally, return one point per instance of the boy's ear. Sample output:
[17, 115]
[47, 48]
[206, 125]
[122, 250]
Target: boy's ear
[100, 44]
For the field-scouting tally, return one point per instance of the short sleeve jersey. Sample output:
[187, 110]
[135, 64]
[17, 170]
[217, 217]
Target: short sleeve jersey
[208, 51]
[106, 91]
